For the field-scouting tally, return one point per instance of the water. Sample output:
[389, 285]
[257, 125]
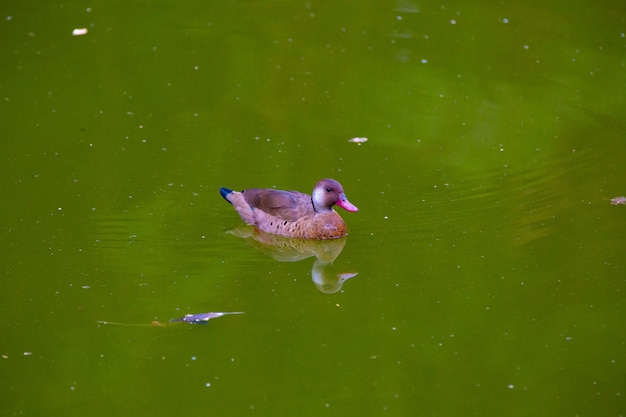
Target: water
[483, 274]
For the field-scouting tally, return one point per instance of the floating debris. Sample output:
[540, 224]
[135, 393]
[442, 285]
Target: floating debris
[202, 318]
[358, 140]
[79, 31]
[618, 200]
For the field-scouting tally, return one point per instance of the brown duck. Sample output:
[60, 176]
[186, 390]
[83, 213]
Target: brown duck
[291, 213]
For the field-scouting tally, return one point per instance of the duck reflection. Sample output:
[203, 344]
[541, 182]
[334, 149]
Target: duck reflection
[289, 249]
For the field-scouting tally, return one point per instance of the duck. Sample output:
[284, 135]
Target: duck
[292, 213]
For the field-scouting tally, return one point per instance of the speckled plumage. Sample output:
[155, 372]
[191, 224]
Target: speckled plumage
[291, 213]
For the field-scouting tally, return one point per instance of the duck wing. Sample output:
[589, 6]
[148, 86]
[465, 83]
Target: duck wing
[287, 205]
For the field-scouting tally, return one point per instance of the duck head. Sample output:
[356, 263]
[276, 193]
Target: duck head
[327, 193]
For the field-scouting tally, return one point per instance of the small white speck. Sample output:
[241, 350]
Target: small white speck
[453, 22]
[79, 32]
[398, 17]
[424, 61]
[208, 384]
[505, 20]
[510, 386]
[358, 140]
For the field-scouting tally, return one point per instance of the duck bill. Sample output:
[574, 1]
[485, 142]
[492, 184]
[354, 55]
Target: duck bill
[345, 204]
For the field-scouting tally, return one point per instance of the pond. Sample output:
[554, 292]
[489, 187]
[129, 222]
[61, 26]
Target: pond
[484, 273]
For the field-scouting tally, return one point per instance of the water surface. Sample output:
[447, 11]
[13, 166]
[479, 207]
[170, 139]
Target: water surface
[489, 261]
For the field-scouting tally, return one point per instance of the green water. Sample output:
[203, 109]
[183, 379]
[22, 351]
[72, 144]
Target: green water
[490, 264]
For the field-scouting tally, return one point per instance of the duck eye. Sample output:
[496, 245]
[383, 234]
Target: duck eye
[328, 189]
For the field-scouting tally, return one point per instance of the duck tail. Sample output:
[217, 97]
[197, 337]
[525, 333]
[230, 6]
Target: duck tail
[225, 192]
